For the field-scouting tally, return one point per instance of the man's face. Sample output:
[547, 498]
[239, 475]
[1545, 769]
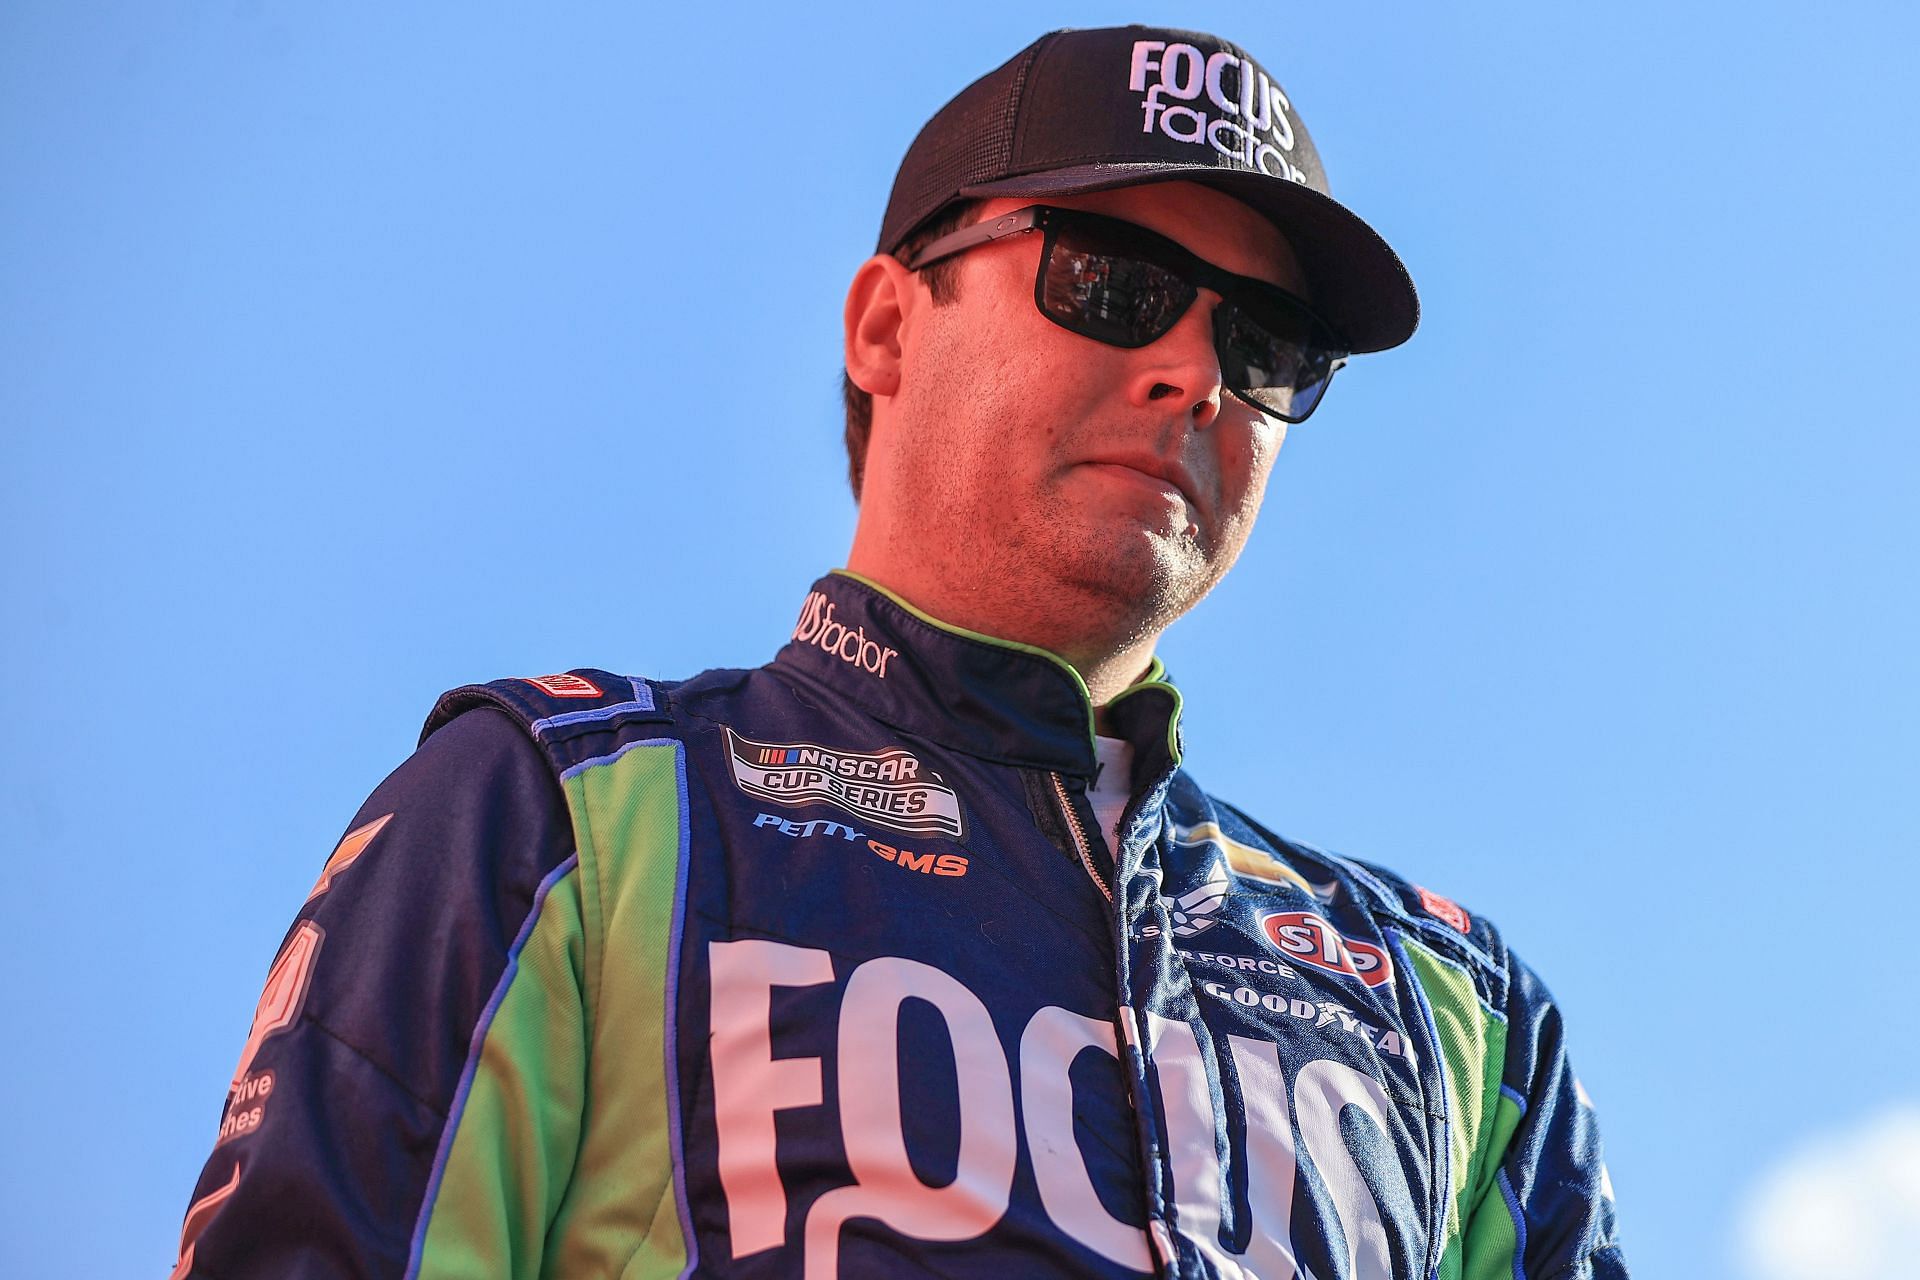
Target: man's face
[1061, 473]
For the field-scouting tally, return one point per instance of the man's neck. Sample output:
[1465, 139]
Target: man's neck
[1111, 675]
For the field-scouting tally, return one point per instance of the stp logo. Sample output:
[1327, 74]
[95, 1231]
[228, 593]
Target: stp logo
[1308, 938]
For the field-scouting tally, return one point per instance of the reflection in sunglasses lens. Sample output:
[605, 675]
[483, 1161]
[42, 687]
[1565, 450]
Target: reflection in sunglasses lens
[1115, 299]
[1273, 354]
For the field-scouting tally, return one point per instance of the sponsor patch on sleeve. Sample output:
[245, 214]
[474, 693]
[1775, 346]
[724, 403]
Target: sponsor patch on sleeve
[565, 685]
[1445, 910]
[198, 1215]
[285, 992]
[351, 846]
[246, 1107]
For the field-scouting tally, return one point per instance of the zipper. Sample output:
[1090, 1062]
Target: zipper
[1079, 835]
[1133, 1047]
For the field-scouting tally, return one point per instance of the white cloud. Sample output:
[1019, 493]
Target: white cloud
[1845, 1206]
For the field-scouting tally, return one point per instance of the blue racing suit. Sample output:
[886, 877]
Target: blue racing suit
[826, 969]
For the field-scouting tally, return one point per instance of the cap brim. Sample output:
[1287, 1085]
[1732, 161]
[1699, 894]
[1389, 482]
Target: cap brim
[1359, 284]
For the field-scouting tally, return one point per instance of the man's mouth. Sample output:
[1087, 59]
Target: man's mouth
[1151, 471]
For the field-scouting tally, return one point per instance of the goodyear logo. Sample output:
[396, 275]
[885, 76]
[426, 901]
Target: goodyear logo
[889, 788]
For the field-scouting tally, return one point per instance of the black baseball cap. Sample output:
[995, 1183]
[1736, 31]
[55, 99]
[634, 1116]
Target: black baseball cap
[1090, 110]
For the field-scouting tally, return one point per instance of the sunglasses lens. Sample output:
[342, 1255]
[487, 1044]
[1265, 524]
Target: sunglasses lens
[1100, 291]
[1127, 287]
[1275, 362]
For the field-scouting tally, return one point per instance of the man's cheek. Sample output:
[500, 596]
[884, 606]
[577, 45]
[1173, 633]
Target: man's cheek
[1246, 460]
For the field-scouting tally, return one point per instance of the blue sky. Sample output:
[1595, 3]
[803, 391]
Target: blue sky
[350, 354]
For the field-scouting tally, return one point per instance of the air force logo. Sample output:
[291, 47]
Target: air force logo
[1196, 912]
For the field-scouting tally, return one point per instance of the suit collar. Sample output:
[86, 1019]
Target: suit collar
[995, 699]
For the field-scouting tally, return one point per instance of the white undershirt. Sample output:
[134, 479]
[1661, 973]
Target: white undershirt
[1112, 786]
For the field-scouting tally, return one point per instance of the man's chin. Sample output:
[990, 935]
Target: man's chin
[1147, 573]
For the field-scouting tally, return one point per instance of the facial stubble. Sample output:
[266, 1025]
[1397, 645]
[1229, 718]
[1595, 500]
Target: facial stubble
[1053, 558]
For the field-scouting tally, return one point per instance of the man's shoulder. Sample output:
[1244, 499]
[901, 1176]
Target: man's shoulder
[583, 695]
[572, 715]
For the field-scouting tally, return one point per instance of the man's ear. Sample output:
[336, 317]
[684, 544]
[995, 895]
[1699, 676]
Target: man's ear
[879, 301]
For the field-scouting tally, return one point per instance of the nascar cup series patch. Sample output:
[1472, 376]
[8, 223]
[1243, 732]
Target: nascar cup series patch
[889, 788]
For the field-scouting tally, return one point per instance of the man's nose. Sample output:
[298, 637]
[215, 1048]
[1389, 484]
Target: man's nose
[1182, 363]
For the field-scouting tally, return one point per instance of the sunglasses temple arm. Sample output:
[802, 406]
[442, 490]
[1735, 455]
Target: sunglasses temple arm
[965, 238]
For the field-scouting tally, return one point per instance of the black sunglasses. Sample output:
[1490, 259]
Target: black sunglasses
[1121, 284]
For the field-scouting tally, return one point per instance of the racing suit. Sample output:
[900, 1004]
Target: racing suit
[825, 968]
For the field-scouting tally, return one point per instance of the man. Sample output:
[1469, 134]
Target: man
[916, 952]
